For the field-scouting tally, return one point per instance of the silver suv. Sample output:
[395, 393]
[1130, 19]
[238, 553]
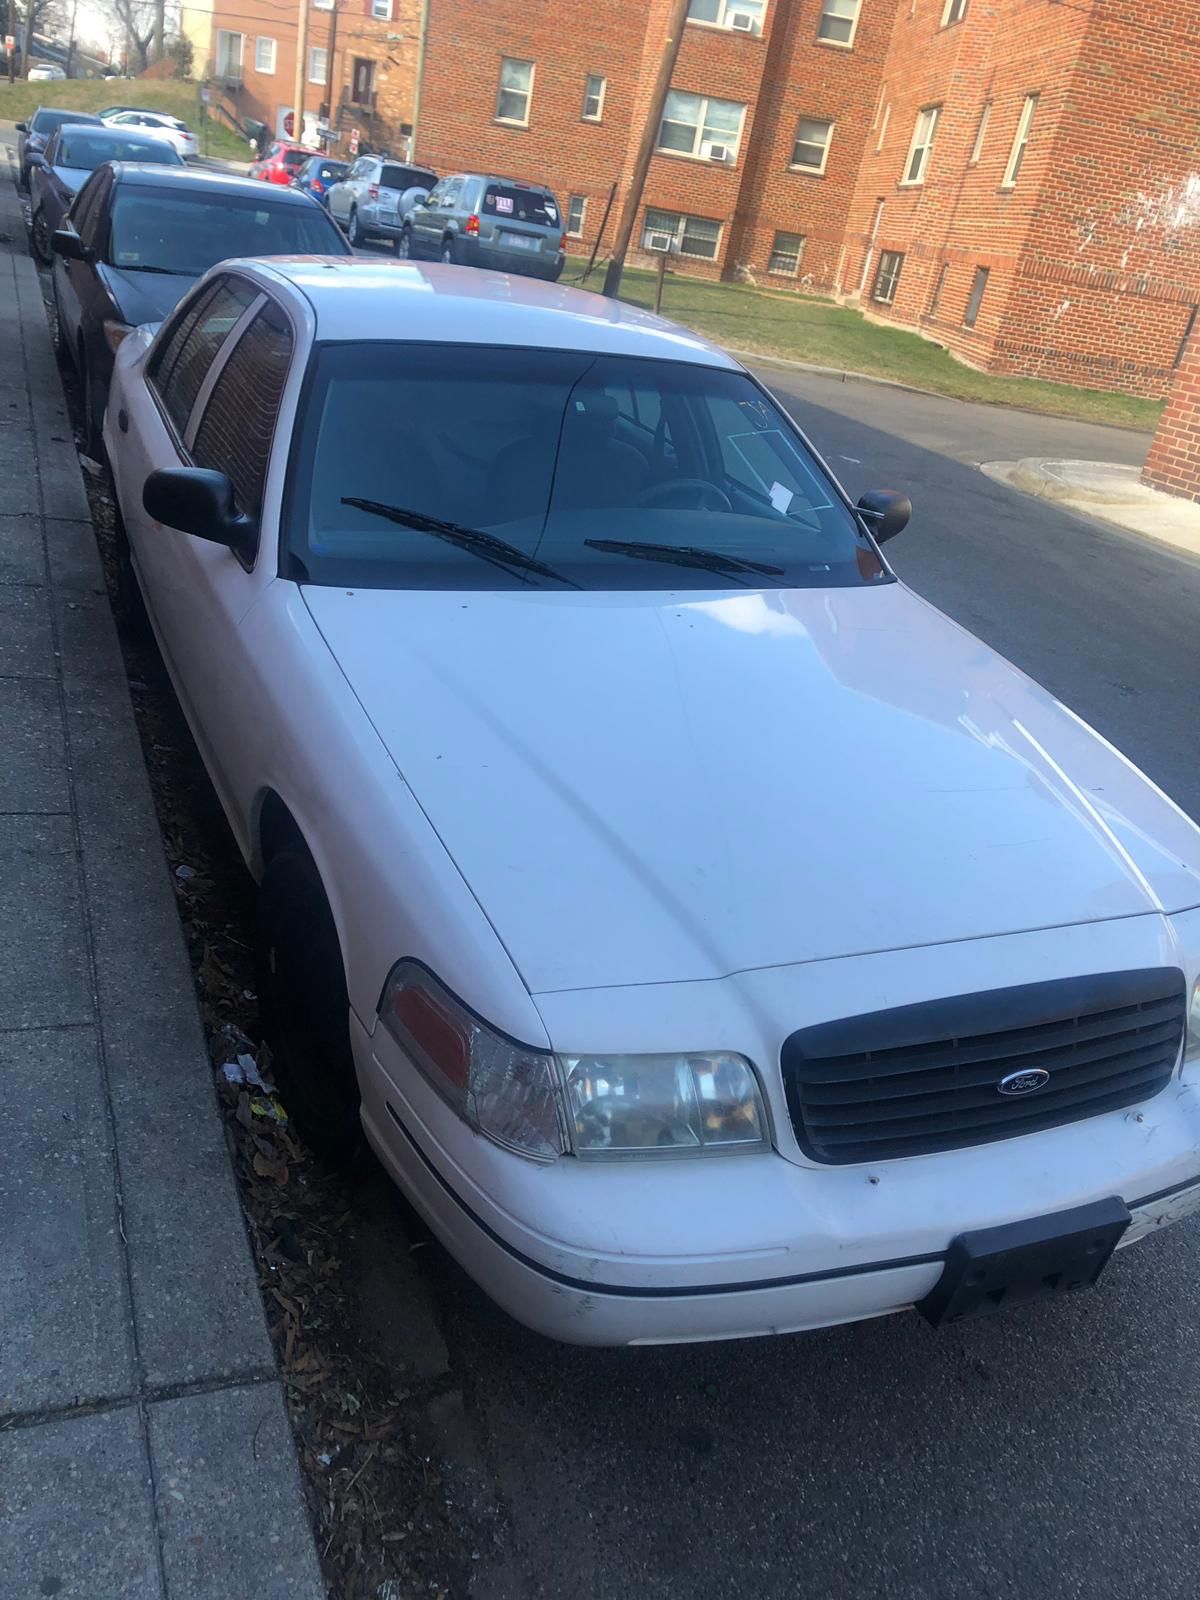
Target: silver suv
[373, 198]
[479, 221]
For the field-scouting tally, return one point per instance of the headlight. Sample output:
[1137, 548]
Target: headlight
[1191, 1044]
[663, 1105]
[542, 1105]
[115, 332]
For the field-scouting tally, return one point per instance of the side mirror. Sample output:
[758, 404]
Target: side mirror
[22, 127]
[35, 158]
[885, 511]
[67, 243]
[200, 502]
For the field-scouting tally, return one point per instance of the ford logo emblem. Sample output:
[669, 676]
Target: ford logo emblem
[1027, 1081]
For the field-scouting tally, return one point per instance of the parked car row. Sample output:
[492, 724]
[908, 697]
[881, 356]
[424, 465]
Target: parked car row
[541, 666]
[34, 134]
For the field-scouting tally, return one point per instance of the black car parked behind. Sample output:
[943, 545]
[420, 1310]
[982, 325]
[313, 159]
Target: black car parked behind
[34, 135]
[137, 237]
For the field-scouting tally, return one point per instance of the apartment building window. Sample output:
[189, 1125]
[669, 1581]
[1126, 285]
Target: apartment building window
[516, 91]
[839, 21]
[922, 144]
[692, 124]
[883, 128]
[381, 10]
[593, 97]
[744, 16]
[810, 152]
[981, 132]
[264, 55]
[318, 64]
[887, 276]
[940, 284]
[695, 236]
[975, 298]
[229, 55]
[786, 254]
[576, 212]
[323, 5]
[1017, 155]
[955, 11]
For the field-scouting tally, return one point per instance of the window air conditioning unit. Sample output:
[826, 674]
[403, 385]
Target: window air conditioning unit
[743, 22]
[661, 242]
[720, 152]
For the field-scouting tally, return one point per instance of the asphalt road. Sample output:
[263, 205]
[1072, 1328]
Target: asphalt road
[1055, 1453]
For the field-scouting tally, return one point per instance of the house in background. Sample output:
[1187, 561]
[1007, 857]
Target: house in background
[360, 72]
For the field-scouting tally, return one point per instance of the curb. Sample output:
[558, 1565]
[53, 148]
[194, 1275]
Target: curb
[1144, 513]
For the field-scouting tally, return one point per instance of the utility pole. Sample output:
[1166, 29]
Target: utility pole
[12, 34]
[301, 73]
[641, 166]
[422, 32]
[329, 114]
[71, 40]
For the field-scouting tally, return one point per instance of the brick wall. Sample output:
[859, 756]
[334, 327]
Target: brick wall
[1173, 463]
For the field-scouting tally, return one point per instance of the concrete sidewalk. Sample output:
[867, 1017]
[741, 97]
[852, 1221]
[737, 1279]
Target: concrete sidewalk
[144, 1447]
[1109, 490]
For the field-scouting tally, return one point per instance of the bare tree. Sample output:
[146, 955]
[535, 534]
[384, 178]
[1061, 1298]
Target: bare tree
[38, 16]
[143, 23]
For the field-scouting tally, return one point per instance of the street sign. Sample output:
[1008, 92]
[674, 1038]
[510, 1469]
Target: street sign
[10, 42]
[353, 141]
[289, 124]
[203, 96]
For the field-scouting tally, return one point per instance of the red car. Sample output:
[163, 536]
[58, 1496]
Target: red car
[282, 162]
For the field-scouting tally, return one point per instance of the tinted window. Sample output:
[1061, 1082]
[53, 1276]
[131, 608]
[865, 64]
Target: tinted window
[293, 160]
[548, 450]
[507, 202]
[331, 171]
[89, 150]
[181, 360]
[394, 177]
[235, 432]
[173, 231]
[88, 212]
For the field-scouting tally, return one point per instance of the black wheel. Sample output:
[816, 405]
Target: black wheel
[129, 606]
[40, 233]
[93, 411]
[352, 229]
[305, 1007]
[23, 180]
[404, 244]
[448, 256]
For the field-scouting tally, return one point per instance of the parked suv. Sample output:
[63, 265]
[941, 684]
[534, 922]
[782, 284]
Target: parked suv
[375, 197]
[482, 221]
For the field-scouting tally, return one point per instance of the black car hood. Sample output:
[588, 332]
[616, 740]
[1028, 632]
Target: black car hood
[145, 296]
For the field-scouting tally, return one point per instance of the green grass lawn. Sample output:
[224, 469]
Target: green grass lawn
[171, 95]
[802, 328]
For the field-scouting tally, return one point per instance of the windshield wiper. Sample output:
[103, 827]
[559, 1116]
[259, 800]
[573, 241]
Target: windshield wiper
[498, 551]
[684, 555]
[136, 266]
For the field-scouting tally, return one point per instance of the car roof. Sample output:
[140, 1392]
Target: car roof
[355, 297]
[515, 183]
[161, 176]
[86, 118]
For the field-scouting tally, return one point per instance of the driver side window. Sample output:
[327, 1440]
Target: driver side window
[87, 212]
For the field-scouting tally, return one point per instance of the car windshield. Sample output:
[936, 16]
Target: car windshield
[564, 456]
[87, 151]
[45, 122]
[510, 202]
[173, 230]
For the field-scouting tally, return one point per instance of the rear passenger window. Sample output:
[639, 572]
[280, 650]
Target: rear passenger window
[181, 361]
[235, 431]
[513, 204]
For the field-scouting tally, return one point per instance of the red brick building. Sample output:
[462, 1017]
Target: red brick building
[1018, 178]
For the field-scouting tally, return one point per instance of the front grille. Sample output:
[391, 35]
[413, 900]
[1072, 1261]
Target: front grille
[921, 1078]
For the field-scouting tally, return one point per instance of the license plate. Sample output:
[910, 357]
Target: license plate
[520, 241]
[994, 1269]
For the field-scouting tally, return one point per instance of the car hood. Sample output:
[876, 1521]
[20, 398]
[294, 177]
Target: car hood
[145, 296]
[646, 788]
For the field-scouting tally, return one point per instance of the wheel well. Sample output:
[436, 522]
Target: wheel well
[277, 829]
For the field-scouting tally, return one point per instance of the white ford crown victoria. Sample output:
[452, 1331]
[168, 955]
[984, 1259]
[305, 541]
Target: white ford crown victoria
[550, 683]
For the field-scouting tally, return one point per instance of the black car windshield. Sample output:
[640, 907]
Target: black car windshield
[46, 122]
[188, 231]
[563, 456]
[85, 150]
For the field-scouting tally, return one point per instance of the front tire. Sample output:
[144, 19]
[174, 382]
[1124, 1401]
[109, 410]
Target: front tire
[404, 245]
[305, 1006]
[39, 231]
[449, 257]
[93, 411]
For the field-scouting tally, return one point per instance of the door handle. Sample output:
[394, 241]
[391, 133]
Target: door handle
[123, 420]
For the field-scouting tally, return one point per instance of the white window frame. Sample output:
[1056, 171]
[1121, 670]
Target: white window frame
[980, 133]
[238, 65]
[598, 114]
[575, 233]
[677, 227]
[954, 11]
[883, 127]
[315, 52]
[921, 146]
[516, 61]
[381, 10]
[258, 66]
[703, 101]
[730, 8]
[827, 11]
[800, 166]
[784, 272]
[1020, 144]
